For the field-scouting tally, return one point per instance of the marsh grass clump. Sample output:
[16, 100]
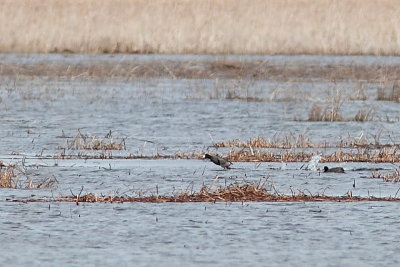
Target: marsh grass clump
[360, 93]
[365, 115]
[87, 142]
[389, 176]
[328, 113]
[389, 91]
[16, 176]
[285, 142]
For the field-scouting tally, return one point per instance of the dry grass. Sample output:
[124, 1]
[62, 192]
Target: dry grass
[289, 141]
[365, 154]
[389, 90]
[365, 115]
[190, 26]
[87, 142]
[328, 113]
[277, 141]
[15, 176]
[253, 192]
[388, 177]
[385, 154]
[245, 70]
[333, 113]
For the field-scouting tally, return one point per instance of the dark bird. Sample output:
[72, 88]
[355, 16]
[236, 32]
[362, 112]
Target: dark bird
[218, 160]
[335, 169]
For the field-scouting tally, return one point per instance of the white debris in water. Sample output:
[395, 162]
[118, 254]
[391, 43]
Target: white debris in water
[283, 165]
[313, 163]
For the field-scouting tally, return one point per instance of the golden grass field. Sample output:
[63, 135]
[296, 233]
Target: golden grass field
[362, 27]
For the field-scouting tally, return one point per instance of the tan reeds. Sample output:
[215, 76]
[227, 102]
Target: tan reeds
[385, 154]
[12, 176]
[388, 176]
[365, 115]
[242, 72]
[289, 141]
[87, 142]
[389, 90]
[190, 26]
[251, 192]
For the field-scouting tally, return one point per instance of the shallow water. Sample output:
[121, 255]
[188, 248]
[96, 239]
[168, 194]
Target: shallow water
[142, 234]
[41, 117]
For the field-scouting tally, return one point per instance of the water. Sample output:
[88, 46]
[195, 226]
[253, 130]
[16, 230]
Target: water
[274, 234]
[166, 116]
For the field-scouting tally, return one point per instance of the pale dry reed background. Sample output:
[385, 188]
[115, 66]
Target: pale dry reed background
[207, 26]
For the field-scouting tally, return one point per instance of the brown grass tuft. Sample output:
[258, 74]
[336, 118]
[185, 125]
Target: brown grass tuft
[87, 142]
[389, 91]
[328, 113]
[388, 177]
[12, 176]
[365, 115]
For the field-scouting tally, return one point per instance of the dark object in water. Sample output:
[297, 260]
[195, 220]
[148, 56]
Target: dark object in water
[218, 160]
[335, 169]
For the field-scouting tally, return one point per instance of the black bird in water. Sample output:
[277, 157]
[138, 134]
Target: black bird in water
[335, 169]
[219, 161]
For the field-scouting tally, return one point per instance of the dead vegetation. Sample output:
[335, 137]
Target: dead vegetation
[88, 142]
[388, 176]
[223, 27]
[364, 155]
[248, 192]
[290, 141]
[389, 90]
[250, 154]
[206, 68]
[16, 176]
[332, 112]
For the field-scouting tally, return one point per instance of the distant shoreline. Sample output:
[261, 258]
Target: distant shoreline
[273, 68]
[292, 27]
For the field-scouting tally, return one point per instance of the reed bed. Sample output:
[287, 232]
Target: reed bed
[334, 113]
[88, 142]
[385, 154]
[224, 68]
[389, 91]
[16, 176]
[290, 140]
[190, 26]
[379, 156]
[388, 176]
[251, 192]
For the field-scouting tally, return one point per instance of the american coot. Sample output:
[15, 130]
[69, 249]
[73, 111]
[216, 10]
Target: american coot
[218, 160]
[335, 169]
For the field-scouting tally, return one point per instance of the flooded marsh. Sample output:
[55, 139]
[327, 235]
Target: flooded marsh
[139, 126]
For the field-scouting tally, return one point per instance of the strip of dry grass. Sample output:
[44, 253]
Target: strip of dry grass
[289, 141]
[389, 90]
[385, 154]
[191, 26]
[379, 156]
[388, 176]
[211, 68]
[253, 192]
[88, 142]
